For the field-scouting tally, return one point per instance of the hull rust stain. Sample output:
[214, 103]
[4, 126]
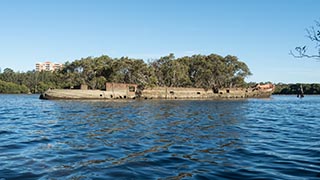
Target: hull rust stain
[132, 91]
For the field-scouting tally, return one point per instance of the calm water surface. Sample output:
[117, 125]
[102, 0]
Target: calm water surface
[277, 138]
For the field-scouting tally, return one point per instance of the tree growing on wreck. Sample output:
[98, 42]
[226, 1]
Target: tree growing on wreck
[170, 72]
[212, 71]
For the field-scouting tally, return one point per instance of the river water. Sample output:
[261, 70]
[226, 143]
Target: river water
[276, 138]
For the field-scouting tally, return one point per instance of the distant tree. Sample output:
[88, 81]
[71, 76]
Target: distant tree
[294, 88]
[313, 34]
[12, 88]
[8, 75]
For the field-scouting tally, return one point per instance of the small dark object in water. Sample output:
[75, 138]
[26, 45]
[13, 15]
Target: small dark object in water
[41, 96]
[300, 92]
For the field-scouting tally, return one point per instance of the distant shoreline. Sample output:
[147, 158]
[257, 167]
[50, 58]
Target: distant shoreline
[294, 89]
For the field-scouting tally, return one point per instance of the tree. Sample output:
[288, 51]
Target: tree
[12, 88]
[313, 34]
[161, 68]
[8, 75]
[171, 72]
[210, 72]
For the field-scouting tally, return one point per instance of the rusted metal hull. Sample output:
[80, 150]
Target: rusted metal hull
[159, 93]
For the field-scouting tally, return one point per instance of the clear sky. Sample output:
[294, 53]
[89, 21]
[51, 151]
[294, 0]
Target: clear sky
[259, 32]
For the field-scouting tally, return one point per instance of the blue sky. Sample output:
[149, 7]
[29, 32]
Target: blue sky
[259, 32]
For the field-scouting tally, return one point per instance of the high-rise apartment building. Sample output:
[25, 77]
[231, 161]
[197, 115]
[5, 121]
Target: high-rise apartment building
[48, 66]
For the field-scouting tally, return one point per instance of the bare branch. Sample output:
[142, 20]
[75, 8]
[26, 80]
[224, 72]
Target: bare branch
[313, 33]
[301, 54]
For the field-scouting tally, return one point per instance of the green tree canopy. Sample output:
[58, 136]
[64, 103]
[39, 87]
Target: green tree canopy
[211, 71]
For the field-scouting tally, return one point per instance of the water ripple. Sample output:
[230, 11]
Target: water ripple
[275, 138]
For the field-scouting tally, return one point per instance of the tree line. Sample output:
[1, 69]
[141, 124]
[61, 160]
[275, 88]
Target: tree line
[294, 88]
[202, 71]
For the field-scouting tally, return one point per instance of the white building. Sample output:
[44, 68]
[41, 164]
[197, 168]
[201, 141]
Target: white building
[48, 66]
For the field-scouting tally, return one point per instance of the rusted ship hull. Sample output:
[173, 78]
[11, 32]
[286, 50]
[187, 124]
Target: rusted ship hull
[55, 94]
[131, 92]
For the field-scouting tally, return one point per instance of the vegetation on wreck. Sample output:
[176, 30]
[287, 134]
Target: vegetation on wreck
[202, 71]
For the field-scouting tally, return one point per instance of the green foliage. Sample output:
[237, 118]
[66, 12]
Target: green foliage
[293, 88]
[212, 71]
[200, 71]
[12, 88]
[35, 82]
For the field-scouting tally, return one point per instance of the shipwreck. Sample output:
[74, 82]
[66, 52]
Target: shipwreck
[133, 91]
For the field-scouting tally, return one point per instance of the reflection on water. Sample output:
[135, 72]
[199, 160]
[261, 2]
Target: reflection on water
[157, 139]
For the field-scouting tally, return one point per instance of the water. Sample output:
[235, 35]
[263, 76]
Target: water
[277, 138]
